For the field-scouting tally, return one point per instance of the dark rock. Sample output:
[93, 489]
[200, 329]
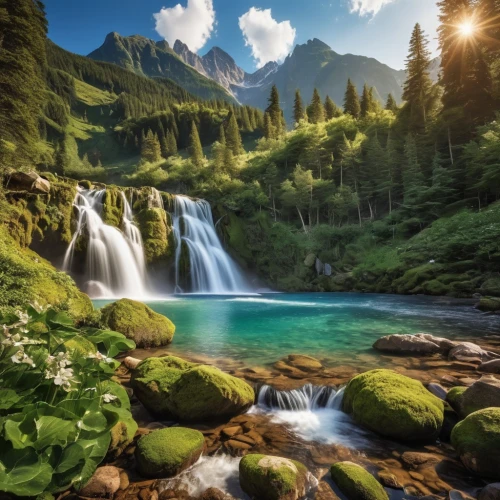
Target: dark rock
[490, 492]
[438, 390]
[30, 181]
[484, 393]
[492, 366]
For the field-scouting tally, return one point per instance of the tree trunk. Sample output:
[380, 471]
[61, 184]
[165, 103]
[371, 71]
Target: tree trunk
[390, 201]
[274, 210]
[371, 210]
[449, 145]
[359, 213]
[302, 220]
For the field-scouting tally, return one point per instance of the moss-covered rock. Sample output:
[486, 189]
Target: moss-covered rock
[138, 322]
[453, 397]
[81, 347]
[157, 235]
[173, 388]
[112, 206]
[489, 304]
[167, 452]
[356, 483]
[484, 393]
[26, 278]
[394, 406]
[273, 478]
[477, 441]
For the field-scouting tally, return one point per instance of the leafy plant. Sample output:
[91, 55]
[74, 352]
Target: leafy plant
[58, 402]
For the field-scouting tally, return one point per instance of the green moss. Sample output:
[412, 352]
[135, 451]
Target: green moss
[167, 452]
[272, 478]
[489, 304]
[26, 278]
[157, 234]
[394, 406]
[81, 347]
[357, 483]
[112, 206]
[453, 397]
[172, 387]
[477, 441]
[138, 322]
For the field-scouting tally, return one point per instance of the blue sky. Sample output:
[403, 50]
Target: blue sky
[375, 28]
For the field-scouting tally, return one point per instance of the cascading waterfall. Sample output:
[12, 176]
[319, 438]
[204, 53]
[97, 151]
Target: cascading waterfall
[211, 268]
[307, 398]
[115, 265]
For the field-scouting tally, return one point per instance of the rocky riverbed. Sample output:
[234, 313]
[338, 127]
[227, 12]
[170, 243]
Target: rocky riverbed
[430, 468]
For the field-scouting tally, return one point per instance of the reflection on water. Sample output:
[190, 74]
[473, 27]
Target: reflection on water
[258, 330]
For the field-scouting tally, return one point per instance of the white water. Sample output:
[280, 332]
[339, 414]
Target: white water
[212, 271]
[115, 265]
[313, 413]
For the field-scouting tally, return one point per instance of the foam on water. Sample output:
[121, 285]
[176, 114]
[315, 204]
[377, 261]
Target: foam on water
[278, 302]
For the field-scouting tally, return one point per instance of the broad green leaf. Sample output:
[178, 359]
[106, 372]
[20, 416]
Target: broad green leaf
[8, 398]
[23, 472]
[52, 431]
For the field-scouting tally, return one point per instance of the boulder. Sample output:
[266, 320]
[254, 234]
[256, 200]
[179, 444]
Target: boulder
[167, 452]
[489, 304]
[420, 343]
[490, 492]
[28, 181]
[327, 270]
[170, 387]
[319, 266]
[477, 442]
[467, 351]
[492, 366]
[310, 260]
[394, 406]
[273, 478]
[103, 484]
[357, 483]
[342, 278]
[438, 390]
[139, 323]
[485, 393]
[215, 494]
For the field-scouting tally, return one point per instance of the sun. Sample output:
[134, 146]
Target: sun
[466, 28]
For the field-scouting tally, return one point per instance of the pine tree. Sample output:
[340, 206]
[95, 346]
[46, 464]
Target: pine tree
[150, 148]
[316, 110]
[233, 137]
[195, 149]
[269, 129]
[413, 179]
[442, 190]
[275, 112]
[298, 108]
[367, 104]
[391, 104]
[351, 100]
[245, 120]
[171, 144]
[331, 109]
[418, 83]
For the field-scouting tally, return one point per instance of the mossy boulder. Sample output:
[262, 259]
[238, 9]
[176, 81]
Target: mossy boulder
[157, 235]
[81, 347]
[484, 393]
[138, 322]
[356, 483]
[394, 406]
[453, 397]
[167, 452]
[273, 478]
[477, 441]
[489, 304]
[26, 278]
[170, 387]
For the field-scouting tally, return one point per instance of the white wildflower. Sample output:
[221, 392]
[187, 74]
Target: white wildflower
[108, 398]
[22, 358]
[100, 357]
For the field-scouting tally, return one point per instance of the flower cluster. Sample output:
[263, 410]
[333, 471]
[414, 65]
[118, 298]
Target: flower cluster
[57, 369]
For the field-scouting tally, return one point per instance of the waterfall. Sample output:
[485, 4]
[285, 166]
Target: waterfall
[307, 398]
[211, 270]
[115, 264]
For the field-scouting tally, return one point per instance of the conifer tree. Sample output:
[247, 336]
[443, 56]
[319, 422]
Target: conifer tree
[233, 137]
[442, 190]
[367, 104]
[171, 144]
[275, 112]
[298, 108]
[331, 109]
[413, 179]
[245, 120]
[195, 149]
[351, 100]
[391, 104]
[316, 110]
[150, 148]
[269, 129]
[418, 83]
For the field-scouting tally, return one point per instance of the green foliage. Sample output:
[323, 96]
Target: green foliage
[58, 405]
[352, 105]
[195, 150]
[316, 111]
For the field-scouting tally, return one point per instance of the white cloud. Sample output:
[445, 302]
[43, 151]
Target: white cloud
[192, 24]
[270, 40]
[367, 7]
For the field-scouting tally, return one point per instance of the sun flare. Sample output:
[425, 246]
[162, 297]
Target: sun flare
[466, 28]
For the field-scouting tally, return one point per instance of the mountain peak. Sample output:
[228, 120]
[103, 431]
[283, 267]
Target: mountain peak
[316, 42]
